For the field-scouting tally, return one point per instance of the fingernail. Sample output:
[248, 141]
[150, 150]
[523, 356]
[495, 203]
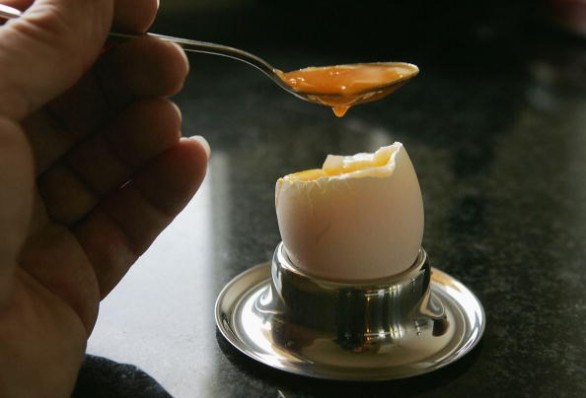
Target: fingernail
[204, 143]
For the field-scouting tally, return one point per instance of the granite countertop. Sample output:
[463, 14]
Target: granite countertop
[500, 152]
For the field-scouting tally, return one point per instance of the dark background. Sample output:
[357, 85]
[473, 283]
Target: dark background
[438, 32]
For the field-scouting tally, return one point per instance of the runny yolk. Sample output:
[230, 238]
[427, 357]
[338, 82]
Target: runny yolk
[344, 166]
[343, 86]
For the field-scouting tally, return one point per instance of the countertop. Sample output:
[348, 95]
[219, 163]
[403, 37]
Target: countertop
[500, 152]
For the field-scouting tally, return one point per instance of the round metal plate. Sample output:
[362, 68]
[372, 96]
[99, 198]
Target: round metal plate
[254, 334]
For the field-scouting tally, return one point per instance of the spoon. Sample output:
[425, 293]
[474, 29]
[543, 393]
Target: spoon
[339, 86]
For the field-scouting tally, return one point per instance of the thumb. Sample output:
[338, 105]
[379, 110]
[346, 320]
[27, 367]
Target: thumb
[47, 49]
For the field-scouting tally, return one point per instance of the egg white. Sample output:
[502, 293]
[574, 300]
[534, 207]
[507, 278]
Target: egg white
[361, 225]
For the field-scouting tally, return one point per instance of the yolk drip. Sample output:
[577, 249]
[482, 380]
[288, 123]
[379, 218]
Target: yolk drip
[343, 86]
[342, 167]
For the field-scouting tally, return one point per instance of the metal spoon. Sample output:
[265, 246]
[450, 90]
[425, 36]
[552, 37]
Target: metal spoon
[339, 101]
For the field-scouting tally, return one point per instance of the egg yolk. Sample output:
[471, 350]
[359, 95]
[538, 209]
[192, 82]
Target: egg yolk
[343, 86]
[341, 80]
[338, 165]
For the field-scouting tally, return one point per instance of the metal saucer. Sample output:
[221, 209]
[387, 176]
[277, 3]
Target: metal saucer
[403, 326]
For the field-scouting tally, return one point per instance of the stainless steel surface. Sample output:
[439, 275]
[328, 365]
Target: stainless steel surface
[274, 74]
[409, 324]
[8, 12]
[357, 313]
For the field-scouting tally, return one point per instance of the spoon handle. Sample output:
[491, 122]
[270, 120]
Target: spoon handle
[8, 12]
[197, 46]
[188, 45]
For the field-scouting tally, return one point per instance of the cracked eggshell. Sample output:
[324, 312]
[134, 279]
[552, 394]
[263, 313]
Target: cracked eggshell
[358, 225]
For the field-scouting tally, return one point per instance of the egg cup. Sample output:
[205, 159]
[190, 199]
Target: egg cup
[396, 327]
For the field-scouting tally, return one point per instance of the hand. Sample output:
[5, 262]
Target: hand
[92, 168]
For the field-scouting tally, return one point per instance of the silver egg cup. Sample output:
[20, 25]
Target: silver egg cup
[401, 326]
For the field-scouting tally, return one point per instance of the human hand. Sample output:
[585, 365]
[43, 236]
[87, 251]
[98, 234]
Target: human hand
[92, 168]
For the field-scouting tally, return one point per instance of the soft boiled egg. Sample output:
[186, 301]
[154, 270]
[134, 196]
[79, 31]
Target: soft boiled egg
[359, 217]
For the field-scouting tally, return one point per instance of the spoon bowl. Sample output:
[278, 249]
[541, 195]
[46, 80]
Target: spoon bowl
[343, 86]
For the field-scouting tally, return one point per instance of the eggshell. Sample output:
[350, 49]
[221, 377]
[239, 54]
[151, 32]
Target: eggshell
[362, 225]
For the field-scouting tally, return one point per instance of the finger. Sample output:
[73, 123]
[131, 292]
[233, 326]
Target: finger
[122, 227]
[35, 46]
[16, 180]
[143, 67]
[77, 114]
[158, 70]
[134, 16]
[48, 139]
[103, 163]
